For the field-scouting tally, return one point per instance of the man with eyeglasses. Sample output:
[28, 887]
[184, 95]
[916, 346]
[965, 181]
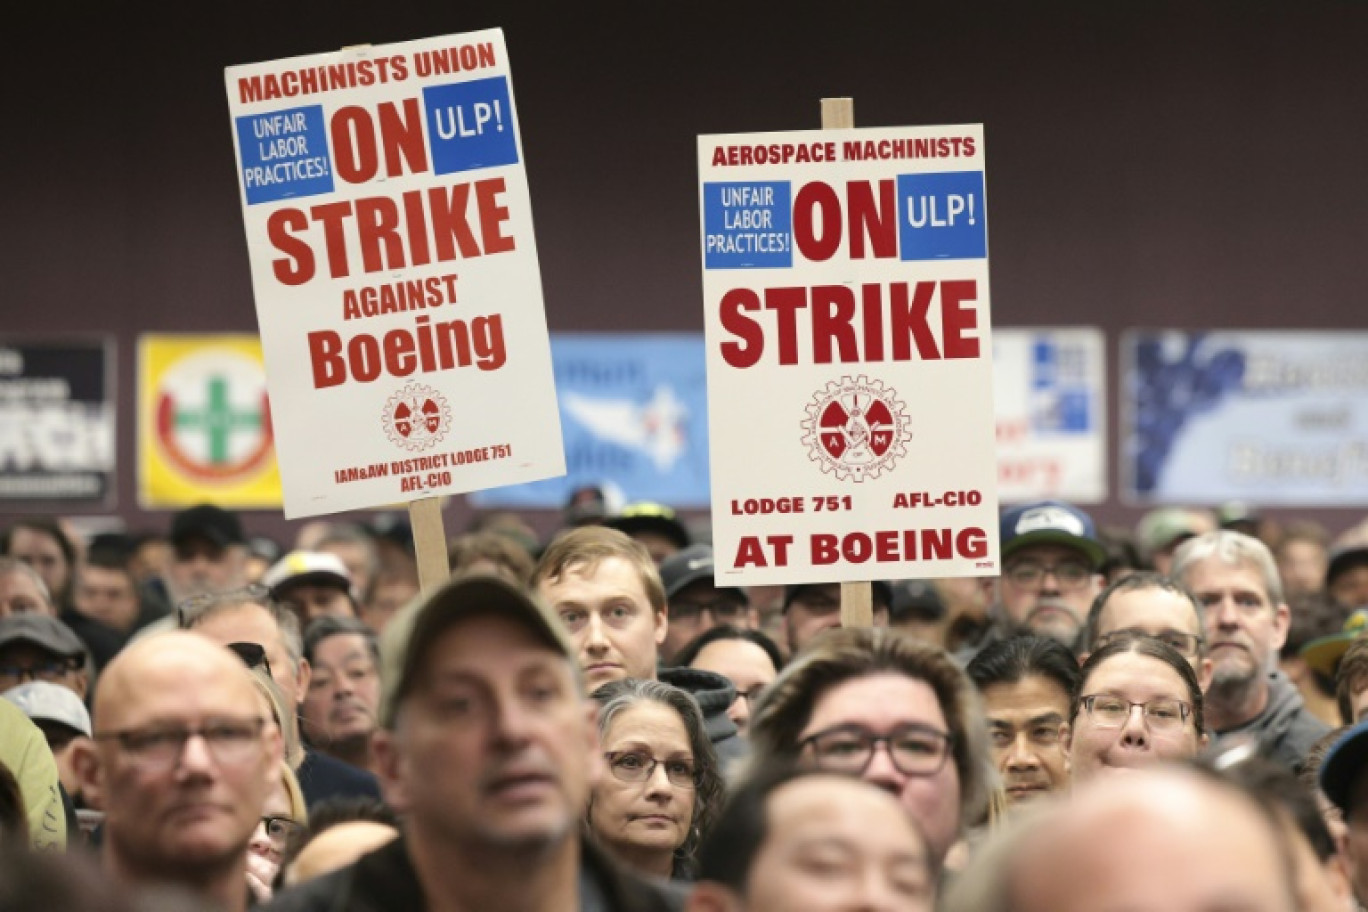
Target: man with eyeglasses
[1235, 578]
[1151, 605]
[182, 762]
[695, 603]
[38, 647]
[1050, 558]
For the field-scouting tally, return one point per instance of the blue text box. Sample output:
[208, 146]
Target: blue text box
[942, 216]
[284, 154]
[747, 225]
[470, 125]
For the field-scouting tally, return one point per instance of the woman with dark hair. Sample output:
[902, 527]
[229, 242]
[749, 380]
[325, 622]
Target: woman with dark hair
[664, 786]
[1137, 704]
[747, 658]
[896, 712]
[1027, 683]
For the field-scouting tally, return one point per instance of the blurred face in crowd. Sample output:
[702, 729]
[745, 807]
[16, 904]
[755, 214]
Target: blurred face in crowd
[311, 601]
[1161, 843]
[336, 847]
[1027, 728]
[643, 809]
[1350, 588]
[344, 691]
[1301, 565]
[42, 552]
[19, 593]
[200, 565]
[356, 557]
[832, 844]
[387, 596]
[494, 745]
[183, 760]
[1048, 589]
[108, 595]
[252, 623]
[817, 608]
[698, 608]
[1160, 613]
[746, 665]
[24, 661]
[1113, 732]
[271, 834]
[609, 618]
[1243, 627]
[913, 761]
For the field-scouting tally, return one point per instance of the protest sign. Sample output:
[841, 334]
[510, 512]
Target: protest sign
[847, 320]
[56, 420]
[1266, 417]
[1050, 394]
[204, 423]
[395, 272]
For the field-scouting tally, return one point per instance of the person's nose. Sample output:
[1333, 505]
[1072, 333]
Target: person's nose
[195, 758]
[1022, 754]
[739, 712]
[1049, 582]
[1135, 733]
[595, 640]
[875, 892]
[658, 787]
[342, 686]
[260, 843]
[881, 770]
[513, 721]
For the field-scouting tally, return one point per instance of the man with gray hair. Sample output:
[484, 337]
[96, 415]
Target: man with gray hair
[1236, 580]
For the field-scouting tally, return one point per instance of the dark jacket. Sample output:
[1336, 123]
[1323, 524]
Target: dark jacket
[1285, 730]
[384, 881]
[322, 777]
[714, 695]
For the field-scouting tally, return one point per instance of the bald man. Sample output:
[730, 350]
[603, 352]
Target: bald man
[183, 758]
[1166, 840]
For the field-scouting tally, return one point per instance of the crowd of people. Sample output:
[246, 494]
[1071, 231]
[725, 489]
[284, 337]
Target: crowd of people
[1167, 719]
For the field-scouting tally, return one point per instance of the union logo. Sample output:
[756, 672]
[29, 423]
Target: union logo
[416, 417]
[856, 428]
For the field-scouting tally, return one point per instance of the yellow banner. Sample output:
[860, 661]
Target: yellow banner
[204, 424]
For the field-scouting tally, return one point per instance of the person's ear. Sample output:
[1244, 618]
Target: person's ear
[305, 675]
[85, 762]
[1282, 620]
[390, 769]
[707, 896]
[662, 622]
[1204, 673]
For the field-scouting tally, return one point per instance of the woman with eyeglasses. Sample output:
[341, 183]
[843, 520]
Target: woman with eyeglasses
[282, 816]
[664, 786]
[1137, 704]
[894, 711]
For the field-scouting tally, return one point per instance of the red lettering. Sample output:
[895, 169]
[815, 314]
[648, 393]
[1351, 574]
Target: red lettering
[377, 225]
[876, 221]
[331, 216]
[747, 352]
[833, 310]
[399, 359]
[325, 347]
[817, 202]
[297, 266]
[910, 319]
[957, 319]
[363, 354]
[492, 215]
[353, 143]
[786, 302]
[402, 138]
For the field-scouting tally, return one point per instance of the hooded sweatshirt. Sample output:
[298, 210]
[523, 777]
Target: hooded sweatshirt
[1284, 731]
[714, 695]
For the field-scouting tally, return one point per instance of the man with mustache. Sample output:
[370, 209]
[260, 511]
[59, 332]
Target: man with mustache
[1236, 579]
[1050, 555]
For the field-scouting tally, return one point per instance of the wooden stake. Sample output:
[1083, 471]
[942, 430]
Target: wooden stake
[857, 599]
[429, 543]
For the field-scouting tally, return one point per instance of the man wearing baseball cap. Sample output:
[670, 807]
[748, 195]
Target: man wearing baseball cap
[62, 718]
[313, 584]
[1344, 780]
[488, 748]
[696, 603]
[1050, 558]
[811, 608]
[1346, 576]
[209, 553]
[38, 647]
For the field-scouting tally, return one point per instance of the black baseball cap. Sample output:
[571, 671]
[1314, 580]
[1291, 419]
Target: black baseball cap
[684, 568]
[650, 517]
[207, 521]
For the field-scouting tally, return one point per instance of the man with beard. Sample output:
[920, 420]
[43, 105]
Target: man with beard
[1236, 579]
[1050, 554]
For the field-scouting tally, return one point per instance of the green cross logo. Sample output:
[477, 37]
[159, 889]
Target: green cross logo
[218, 419]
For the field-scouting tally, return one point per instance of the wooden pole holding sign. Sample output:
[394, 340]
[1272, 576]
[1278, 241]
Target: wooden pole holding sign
[857, 599]
[429, 543]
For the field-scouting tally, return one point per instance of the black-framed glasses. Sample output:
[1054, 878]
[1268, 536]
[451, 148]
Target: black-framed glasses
[279, 829]
[1111, 711]
[915, 749]
[639, 766]
[724, 610]
[51, 671]
[160, 747]
[1186, 645]
[253, 655]
[1029, 574]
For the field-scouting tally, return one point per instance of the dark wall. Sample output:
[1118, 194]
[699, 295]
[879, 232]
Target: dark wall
[1149, 164]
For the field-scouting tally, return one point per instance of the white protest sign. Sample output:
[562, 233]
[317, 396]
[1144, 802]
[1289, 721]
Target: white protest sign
[850, 389]
[395, 272]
